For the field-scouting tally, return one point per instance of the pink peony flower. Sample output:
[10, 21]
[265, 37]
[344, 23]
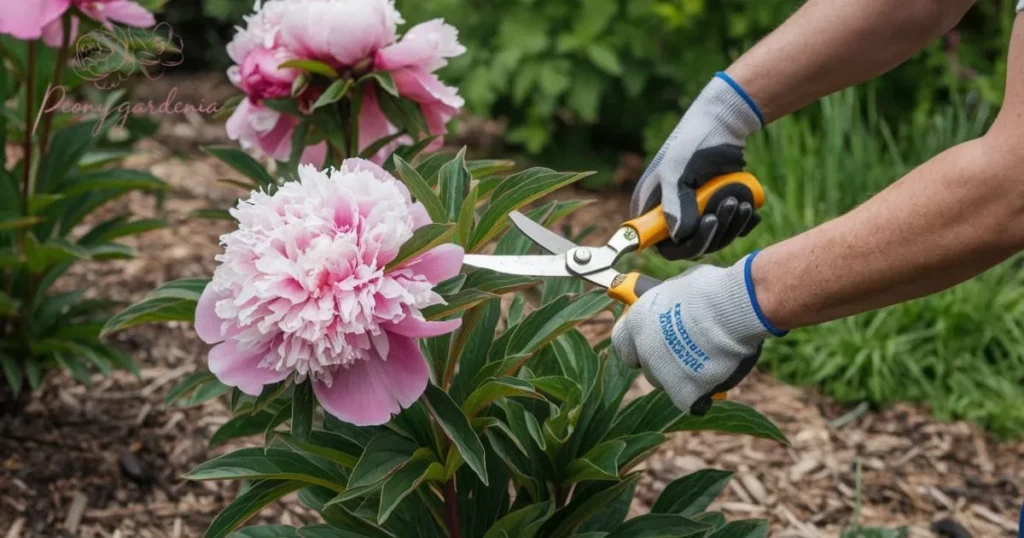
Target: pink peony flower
[302, 289]
[110, 11]
[261, 77]
[341, 33]
[257, 127]
[26, 19]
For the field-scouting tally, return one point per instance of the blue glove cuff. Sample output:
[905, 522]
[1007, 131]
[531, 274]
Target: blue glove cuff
[772, 329]
[743, 94]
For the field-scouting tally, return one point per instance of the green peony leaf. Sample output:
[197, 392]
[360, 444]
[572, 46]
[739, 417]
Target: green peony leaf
[302, 410]
[383, 454]
[504, 387]
[747, 528]
[272, 464]
[246, 425]
[660, 525]
[420, 190]
[174, 301]
[243, 163]
[600, 463]
[421, 466]
[311, 66]
[454, 180]
[691, 494]
[457, 427]
[583, 505]
[422, 240]
[522, 523]
[266, 531]
[731, 417]
[256, 497]
[334, 93]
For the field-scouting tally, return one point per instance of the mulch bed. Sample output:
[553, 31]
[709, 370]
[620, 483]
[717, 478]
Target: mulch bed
[106, 460]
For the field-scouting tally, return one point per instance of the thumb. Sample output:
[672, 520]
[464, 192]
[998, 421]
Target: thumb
[623, 343]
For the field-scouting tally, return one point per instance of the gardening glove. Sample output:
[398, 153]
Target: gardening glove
[707, 143]
[695, 335]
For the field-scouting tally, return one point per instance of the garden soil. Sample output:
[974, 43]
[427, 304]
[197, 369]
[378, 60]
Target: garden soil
[106, 460]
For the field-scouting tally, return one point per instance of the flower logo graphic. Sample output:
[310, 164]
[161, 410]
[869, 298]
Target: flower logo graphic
[108, 56]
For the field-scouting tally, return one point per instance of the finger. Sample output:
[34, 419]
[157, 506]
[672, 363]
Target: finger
[726, 213]
[693, 247]
[736, 225]
[651, 378]
[708, 227]
[623, 344]
[701, 406]
[755, 219]
[646, 195]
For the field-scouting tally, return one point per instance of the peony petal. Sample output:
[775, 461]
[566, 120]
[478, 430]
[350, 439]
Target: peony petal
[438, 264]
[340, 33]
[374, 125]
[124, 12]
[414, 327]
[420, 217]
[425, 45]
[53, 33]
[369, 392]
[424, 87]
[27, 19]
[238, 368]
[208, 324]
[315, 155]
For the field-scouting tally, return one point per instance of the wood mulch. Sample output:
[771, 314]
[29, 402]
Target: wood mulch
[106, 460]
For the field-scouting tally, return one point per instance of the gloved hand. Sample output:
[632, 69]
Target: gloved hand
[707, 143]
[696, 335]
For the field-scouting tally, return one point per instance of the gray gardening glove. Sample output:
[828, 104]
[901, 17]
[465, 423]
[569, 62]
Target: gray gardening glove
[695, 335]
[707, 143]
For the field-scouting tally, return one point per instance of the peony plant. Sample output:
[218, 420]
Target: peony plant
[56, 170]
[390, 387]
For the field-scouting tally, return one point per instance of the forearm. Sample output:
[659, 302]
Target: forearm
[828, 45]
[948, 220]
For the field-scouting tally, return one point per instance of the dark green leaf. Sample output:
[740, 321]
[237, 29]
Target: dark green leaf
[454, 180]
[119, 179]
[268, 395]
[119, 227]
[327, 531]
[53, 252]
[505, 387]
[311, 66]
[266, 531]
[40, 202]
[12, 372]
[327, 445]
[731, 417]
[522, 523]
[483, 168]
[302, 411]
[563, 388]
[660, 526]
[747, 528]
[384, 82]
[456, 425]
[498, 283]
[374, 148]
[271, 463]
[15, 222]
[582, 507]
[638, 448]
[691, 494]
[174, 301]
[715, 519]
[420, 190]
[467, 216]
[402, 113]
[600, 463]
[382, 456]
[334, 93]
[246, 425]
[460, 302]
[34, 372]
[525, 188]
[243, 163]
[422, 240]
[188, 385]
[398, 486]
[257, 497]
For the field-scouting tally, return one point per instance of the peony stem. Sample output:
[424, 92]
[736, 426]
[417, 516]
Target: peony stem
[30, 89]
[451, 516]
[58, 73]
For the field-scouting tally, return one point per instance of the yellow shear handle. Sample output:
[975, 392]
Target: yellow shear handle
[652, 228]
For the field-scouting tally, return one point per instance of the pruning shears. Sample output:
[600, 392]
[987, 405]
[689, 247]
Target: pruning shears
[597, 264]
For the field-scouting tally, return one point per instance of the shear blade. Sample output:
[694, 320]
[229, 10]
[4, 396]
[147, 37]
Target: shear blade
[549, 265]
[548, 240]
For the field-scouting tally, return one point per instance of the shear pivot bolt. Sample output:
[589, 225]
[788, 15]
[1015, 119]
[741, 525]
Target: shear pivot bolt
[582, 255]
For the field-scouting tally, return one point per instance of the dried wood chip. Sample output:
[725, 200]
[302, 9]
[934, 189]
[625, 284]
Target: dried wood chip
[754, 487]
[993, 517]
[743, 508]
[75, 511]
[15, 530]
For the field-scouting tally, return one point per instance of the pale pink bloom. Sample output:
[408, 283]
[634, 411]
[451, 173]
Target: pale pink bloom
[426, 46]
[261, 77]
[269, 132]
[25, 19]
[121, 11]
[439, 103]
[301, 288]
[341, 33]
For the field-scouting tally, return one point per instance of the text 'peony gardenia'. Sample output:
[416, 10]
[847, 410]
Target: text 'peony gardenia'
[302, 289]
[354, 37]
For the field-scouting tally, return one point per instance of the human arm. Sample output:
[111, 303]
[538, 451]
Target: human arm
[825, 46]
[953, 217]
